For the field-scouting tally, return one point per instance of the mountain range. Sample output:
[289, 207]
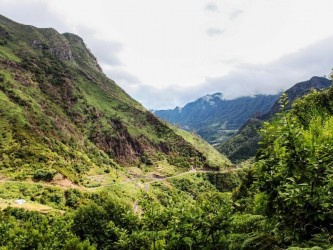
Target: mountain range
[244, 144]
[232, 126]
[216, 119]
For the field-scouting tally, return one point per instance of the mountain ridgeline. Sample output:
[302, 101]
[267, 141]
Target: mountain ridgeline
[216, 119]
[244, 144]
[60, 113]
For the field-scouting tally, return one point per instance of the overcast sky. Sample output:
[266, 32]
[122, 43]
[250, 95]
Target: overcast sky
[167, 53]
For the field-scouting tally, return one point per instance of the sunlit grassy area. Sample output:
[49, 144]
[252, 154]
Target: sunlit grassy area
[215, 159]
[31, 206]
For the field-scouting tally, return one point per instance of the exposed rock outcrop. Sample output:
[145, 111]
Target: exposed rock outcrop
[81, 53]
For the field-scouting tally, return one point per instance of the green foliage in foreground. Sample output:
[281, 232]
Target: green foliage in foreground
[188, 217]
[294, 172]
[106, 224]
[20, 229]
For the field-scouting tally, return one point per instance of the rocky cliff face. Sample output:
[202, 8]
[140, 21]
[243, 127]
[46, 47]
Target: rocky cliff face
[61, 51]
[4, 32]
[81, 52]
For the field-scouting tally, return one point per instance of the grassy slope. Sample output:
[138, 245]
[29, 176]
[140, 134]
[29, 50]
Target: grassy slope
[243, 145]
[215, 159]
[67, 117]
[68, 120]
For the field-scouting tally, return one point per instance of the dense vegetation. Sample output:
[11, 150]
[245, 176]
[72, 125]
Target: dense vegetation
[194, 215]
[98, 171]
[294, 171]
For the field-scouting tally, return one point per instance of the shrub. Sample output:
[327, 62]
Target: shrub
[44, 174]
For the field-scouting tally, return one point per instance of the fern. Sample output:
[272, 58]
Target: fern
[246, 222]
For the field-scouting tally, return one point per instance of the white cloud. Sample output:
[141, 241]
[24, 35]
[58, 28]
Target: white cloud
[214, 31]
[235, 13]
[32, 12]
[165, 53]
[107, 52]
[252, 79]
[211, 7]
[125, 79]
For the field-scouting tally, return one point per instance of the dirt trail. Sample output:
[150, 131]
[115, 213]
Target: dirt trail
[155, 177]
[63, 183]
[163, 178]
[151, 179]
[193, 171]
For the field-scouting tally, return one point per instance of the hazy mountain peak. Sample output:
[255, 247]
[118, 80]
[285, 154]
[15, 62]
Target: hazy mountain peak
[218, 95]
[179, 109]
[211, 97]
[215, 118]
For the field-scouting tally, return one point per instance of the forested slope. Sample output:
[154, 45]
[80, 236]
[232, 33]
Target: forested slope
[244, 144]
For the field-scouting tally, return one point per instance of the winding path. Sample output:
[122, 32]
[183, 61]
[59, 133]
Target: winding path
[163, 178]
[192, 171]
[151, 179]
[155, 178]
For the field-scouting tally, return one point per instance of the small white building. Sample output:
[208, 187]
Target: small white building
[20, 201]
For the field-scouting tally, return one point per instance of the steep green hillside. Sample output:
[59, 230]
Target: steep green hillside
[244, 144]
[213, 156]
[61, 114]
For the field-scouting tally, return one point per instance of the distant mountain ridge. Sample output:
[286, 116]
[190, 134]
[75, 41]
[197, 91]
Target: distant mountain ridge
[244, 144]
[215, 118]
[298, 90]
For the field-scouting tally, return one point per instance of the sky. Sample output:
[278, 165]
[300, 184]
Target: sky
[168, 53]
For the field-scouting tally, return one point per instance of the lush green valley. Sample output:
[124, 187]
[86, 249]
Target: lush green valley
[84, 166]
[216, 119]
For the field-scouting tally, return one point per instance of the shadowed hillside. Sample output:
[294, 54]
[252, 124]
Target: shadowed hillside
[244, 144]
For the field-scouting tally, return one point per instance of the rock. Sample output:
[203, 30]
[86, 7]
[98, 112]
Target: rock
[4, 32]
[62, 52]
[59, 48]
[20, 201]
